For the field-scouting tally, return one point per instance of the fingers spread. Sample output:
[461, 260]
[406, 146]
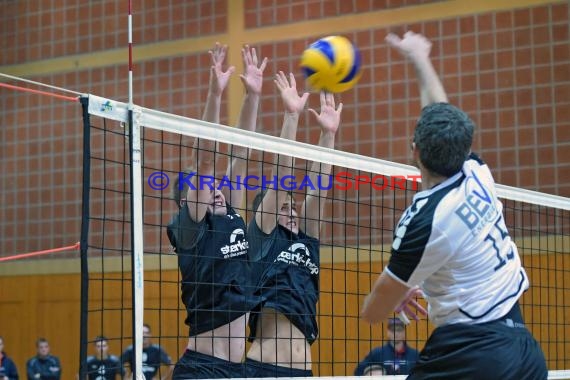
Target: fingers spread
[281, 80]
[404, 318]
[292, 80]
[254, 56]
[263, 64]
[246, 55]
[329, 98]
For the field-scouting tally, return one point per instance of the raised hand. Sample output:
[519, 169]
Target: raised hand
[413, 45]
[404, 311]
[252, 77]
[218, 77]
[329, 118]
[291, 100]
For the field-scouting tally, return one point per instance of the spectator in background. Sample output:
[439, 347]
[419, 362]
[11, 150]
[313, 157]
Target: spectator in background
[8, 370]
[103, 366]
[393, 358]
[153, 356]
[43, 366]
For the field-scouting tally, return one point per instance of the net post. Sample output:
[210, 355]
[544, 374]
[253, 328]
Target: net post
[84, 304]
[136, 242]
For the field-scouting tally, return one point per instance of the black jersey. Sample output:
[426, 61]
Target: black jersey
[216, 277]
[286, 268]
[104, 369]
[152, 357]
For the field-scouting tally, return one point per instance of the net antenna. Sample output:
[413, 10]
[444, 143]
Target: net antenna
[136, 217]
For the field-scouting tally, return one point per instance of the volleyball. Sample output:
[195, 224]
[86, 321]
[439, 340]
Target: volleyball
[332, 64]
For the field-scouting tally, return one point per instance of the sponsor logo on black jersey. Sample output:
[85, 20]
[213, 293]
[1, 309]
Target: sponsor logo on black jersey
[238, 245]
[298, 254]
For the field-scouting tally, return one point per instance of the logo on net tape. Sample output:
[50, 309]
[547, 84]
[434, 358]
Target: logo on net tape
[106, 107]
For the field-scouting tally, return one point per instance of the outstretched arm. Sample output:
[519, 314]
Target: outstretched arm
[204, 151]
[219, 80]
[385, 296]
[252, 80]
[417, 48]
[268, 210]
[314, 205]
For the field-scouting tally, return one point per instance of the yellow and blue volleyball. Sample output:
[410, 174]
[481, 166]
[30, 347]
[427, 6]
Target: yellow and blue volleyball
[332, 64]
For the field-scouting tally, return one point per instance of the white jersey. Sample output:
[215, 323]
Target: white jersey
[453, 242]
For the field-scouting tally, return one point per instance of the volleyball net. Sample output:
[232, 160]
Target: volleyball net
[365, 198]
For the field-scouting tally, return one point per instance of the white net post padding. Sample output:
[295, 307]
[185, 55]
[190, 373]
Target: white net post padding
[138, 242]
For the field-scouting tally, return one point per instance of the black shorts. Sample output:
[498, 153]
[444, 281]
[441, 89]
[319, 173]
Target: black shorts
[258, 369]
[194, 365]
[503, 349]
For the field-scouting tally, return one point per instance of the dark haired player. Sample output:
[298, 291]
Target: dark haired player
[284, 250]
[209, 236]
[102, 365]
[152, 357]
[453, 242]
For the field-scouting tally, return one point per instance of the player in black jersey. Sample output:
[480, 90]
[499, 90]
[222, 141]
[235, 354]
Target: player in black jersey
[102, 365]
[209, 236]
[153, 356]
[284, 250]
[453, 242]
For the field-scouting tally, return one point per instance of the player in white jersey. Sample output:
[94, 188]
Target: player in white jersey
[453, 243]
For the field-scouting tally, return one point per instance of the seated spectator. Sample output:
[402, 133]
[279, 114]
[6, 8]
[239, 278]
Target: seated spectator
[153, 356]
[393, 358]
[8, 370]
[43, 366]
[102, 365]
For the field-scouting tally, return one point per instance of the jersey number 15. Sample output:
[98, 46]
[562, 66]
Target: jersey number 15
[498, 234]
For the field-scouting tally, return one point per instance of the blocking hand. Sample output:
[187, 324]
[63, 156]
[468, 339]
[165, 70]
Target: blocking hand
[329, 118]
[291, 100]
[218, 77]
[252, 77]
